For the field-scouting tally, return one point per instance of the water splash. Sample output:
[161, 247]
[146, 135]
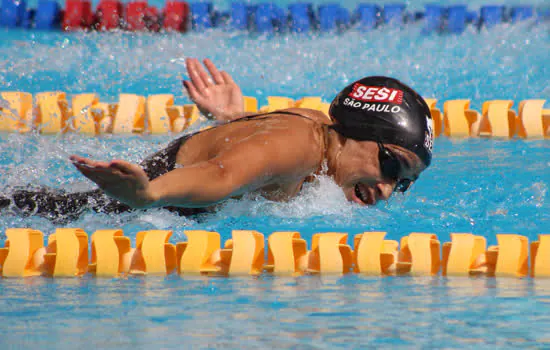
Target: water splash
[478, 186]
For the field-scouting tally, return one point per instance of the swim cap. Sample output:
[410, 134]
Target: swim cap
[384, 110]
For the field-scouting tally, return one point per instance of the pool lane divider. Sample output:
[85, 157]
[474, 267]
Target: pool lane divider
[418, 254]
[51, 113]
[198, 16]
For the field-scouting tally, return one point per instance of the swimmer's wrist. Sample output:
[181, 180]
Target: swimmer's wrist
[157, 196]
[142, 200]
[228, 114]
[151, 200]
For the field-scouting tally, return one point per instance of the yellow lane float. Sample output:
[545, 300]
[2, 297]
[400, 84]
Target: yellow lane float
[158, 114]
[498, 120]
[418, 254]
[15, 111]
[459, 120]
[436, 116]
[52, 115]
[533, 121]
[87, 116]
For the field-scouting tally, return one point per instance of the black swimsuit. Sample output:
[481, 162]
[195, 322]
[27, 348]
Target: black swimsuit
[60, 205]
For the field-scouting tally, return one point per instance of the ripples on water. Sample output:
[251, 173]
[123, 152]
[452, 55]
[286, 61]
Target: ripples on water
[479, 186]
[307, 312]
[507, 62]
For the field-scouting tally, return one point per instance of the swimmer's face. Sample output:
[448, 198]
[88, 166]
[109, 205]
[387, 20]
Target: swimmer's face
[359, 173]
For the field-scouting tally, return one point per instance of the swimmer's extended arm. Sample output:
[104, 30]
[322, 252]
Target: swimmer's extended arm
[246, 167]
[216, 95]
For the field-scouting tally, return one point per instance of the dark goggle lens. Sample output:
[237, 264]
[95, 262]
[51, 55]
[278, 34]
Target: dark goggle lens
[389, 164]
[403, 185]
[391, 168]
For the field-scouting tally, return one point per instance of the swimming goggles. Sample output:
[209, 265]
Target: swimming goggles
[392, 167]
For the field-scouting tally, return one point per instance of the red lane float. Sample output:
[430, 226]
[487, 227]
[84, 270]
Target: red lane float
[152, 19]
[109, 13]
[135, 15]
[78, 15]
[176, 15]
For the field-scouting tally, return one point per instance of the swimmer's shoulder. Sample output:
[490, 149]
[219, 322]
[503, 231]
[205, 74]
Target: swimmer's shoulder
[312, 114]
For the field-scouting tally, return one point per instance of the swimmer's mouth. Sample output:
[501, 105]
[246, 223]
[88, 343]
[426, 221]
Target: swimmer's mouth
[364, 195]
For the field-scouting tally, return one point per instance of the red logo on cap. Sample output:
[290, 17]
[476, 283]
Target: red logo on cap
[376, 94]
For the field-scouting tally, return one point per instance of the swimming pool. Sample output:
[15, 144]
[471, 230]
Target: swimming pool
[477, 185]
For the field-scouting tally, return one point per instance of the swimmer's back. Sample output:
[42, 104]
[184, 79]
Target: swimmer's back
[300, 127]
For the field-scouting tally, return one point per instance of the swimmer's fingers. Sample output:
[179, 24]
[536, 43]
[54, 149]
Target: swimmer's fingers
[86, 162]
[214, 72]
[193, 72]
[104, 175]
[95, 170]
[227, 78]
[122, 166]
[94, 174]
[129, 170]
[78, 159]
[205, 78]
[191, 90]
[90, 167]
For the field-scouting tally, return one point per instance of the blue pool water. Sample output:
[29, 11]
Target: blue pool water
[480, 186]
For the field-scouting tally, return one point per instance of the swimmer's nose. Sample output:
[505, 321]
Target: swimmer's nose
[383, 191]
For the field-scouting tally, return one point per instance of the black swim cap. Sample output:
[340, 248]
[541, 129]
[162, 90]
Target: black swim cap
[384, 110]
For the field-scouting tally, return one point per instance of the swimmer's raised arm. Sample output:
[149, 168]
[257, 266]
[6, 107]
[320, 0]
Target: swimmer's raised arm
[216, 94]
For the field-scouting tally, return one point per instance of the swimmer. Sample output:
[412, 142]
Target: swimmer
[376, 140]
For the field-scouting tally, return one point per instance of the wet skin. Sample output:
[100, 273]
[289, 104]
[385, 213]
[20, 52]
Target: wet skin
[272, 156]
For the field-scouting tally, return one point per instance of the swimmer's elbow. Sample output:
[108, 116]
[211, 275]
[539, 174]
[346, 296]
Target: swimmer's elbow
[215, 189]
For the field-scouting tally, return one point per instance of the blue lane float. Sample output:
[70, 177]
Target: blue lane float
[297, 18]
[457, 17]
[344, 18]
[201, 16]
[221, 19]
[543, 14]
[269, 18]
[394, 15]
[367, 16]
[28, 18]
[301, 17]
[521, 13]
[251, 13]
[491, 16]
[48, 15]
[12, 13]
[239, 16]
[333, 17]
[433, 19]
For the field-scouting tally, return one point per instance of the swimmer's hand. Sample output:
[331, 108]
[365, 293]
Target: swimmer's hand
[121, 180]
[216, 95]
